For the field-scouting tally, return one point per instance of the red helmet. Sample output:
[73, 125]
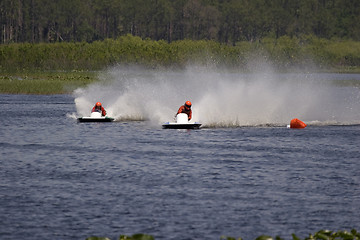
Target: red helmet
[188, 103]
[98, 104]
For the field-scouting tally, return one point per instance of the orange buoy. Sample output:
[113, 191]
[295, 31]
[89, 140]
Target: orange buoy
[296, 123]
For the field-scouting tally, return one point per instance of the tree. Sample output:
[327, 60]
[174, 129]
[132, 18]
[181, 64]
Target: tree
[227, 21]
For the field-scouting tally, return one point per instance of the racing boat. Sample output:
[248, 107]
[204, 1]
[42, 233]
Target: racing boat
[96, 117]
[182, 122]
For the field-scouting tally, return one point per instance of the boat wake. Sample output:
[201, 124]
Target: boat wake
[220, 98]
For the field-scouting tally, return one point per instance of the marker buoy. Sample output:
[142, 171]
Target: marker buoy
[296, 123]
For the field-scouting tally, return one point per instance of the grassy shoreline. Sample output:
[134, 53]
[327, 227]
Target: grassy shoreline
[57, 68]
[284, 52]
[65, 82]
[44, 82]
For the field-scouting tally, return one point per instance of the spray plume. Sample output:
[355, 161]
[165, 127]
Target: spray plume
[220, 98]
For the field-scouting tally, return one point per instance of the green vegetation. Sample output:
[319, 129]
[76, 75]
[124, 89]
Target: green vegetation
[138, 236]
[226, 21]
[282, 53]
[321, 235]
[49, 68]
[44, 82]
[44, 42]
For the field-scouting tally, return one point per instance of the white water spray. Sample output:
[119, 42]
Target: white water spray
[220, 99]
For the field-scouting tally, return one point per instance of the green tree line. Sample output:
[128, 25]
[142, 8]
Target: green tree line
[224, 21]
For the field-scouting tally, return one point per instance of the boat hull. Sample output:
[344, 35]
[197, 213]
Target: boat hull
[181, 126]
[90, 119]
[96, 117]
[182, 122]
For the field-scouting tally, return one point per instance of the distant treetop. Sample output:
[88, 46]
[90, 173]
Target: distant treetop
[225, 21]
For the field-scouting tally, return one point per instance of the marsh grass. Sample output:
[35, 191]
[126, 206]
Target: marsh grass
[320, 235]
[44, 82]
[284, 53]
[52, 68]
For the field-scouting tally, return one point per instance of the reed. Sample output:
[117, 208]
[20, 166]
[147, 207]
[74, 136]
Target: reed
[320, 235]
[283, 53]
[44, 82]
[52, 68]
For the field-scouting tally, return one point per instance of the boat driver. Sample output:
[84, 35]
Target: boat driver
[186, 108]
[99, 108]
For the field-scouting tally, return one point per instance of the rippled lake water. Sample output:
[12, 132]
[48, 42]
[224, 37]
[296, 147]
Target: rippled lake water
[60, 179]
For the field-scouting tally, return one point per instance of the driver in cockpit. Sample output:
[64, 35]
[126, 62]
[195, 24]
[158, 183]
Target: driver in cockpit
[99, 108]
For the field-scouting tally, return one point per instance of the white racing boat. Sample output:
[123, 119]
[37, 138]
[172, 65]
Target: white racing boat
[96, 117]
[182, 123]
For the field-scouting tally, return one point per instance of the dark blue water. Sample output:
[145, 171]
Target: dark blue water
[60, 179]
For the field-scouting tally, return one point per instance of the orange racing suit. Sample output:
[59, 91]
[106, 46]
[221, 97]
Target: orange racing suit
[183, 109]
[97, 109]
